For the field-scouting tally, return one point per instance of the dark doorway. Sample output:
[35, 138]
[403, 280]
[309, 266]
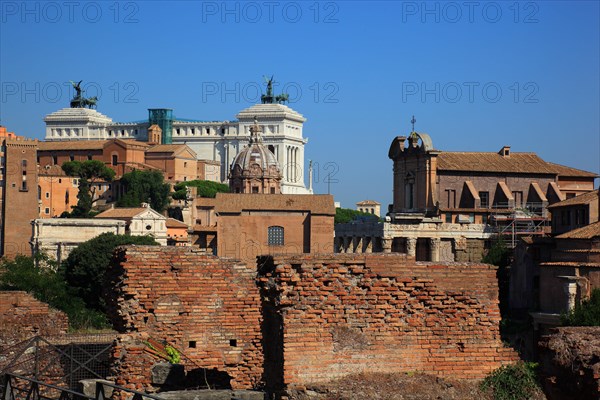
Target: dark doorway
[423, 250]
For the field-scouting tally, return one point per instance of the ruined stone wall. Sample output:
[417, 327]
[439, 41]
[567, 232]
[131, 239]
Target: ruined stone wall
[205, 306]
[22, 317]
[470, 250]
[345, 313]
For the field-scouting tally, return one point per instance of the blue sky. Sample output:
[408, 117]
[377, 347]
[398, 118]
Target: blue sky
[476, 75]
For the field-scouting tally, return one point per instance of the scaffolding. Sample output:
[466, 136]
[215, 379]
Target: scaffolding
[512, 223]
[163, 117]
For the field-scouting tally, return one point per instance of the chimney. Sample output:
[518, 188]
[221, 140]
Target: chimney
[505, 152]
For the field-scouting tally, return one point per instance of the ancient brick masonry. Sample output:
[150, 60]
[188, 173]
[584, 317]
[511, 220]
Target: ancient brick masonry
[346, 313]
[207, 307]
[304, 319]
[22, 317]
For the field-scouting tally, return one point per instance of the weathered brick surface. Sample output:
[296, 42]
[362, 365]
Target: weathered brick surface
[304, 319]
[182, 296]
[344, 314]
[22, 317]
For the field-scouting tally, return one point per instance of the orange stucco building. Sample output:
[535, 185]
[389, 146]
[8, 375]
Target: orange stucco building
[58, 192]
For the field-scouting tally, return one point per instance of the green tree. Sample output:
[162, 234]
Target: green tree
[89, 172]
[145, 186]
[86, 265]
[49, 287]
[585, 314]
[204, 189]
[345, 215]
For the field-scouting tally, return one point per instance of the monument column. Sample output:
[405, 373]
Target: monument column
[386, 243]
[434, 247]
[411, 247]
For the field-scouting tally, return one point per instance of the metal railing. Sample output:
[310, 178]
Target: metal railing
[66, 359]
[17, 387]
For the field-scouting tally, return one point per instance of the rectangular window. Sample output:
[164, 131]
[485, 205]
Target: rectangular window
[24, 163]
[451, 198]
[24, 186]
[55, 159]
[448, 218]
[47, 195]
[275, 236]
[115, 158]
[46, 211]
[518, 196]
[485, 199]
[570, 195]
[71, 157]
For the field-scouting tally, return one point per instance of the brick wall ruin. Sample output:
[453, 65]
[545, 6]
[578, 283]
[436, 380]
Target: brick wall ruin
[346, 314]
[22, 317]
[326, 316]
[205, 306]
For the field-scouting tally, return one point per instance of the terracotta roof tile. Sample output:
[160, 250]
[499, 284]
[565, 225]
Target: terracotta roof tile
[124, 212]
[493, 162]
[563, 170]
[368, 203]
[585, 198]
[586, 232]
[173, 223]
[165, 148]
[72, 145]
[236, 202]
[569, 264]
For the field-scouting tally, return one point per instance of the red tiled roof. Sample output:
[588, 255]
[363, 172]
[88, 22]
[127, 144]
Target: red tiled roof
[563, 170]
[585, 198]
[493, 162]
[586, 232]
[124, 212]
[526, 163]
[72, 145]
[173, 223]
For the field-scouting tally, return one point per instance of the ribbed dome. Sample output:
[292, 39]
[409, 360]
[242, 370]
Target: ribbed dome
[255, 161]
[255, 168]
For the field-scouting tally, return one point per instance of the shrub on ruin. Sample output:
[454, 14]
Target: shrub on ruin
[43, 283]
[85, 267]
[512, 382]
[346, 215]
[204, 189]
[585, 314]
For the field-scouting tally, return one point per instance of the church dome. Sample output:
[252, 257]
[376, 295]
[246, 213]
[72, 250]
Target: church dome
[255, 161]
[255, 169]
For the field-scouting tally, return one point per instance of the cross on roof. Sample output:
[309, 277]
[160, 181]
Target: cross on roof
[412, 121]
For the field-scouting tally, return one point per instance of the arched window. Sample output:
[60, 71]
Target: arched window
[275, 236]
